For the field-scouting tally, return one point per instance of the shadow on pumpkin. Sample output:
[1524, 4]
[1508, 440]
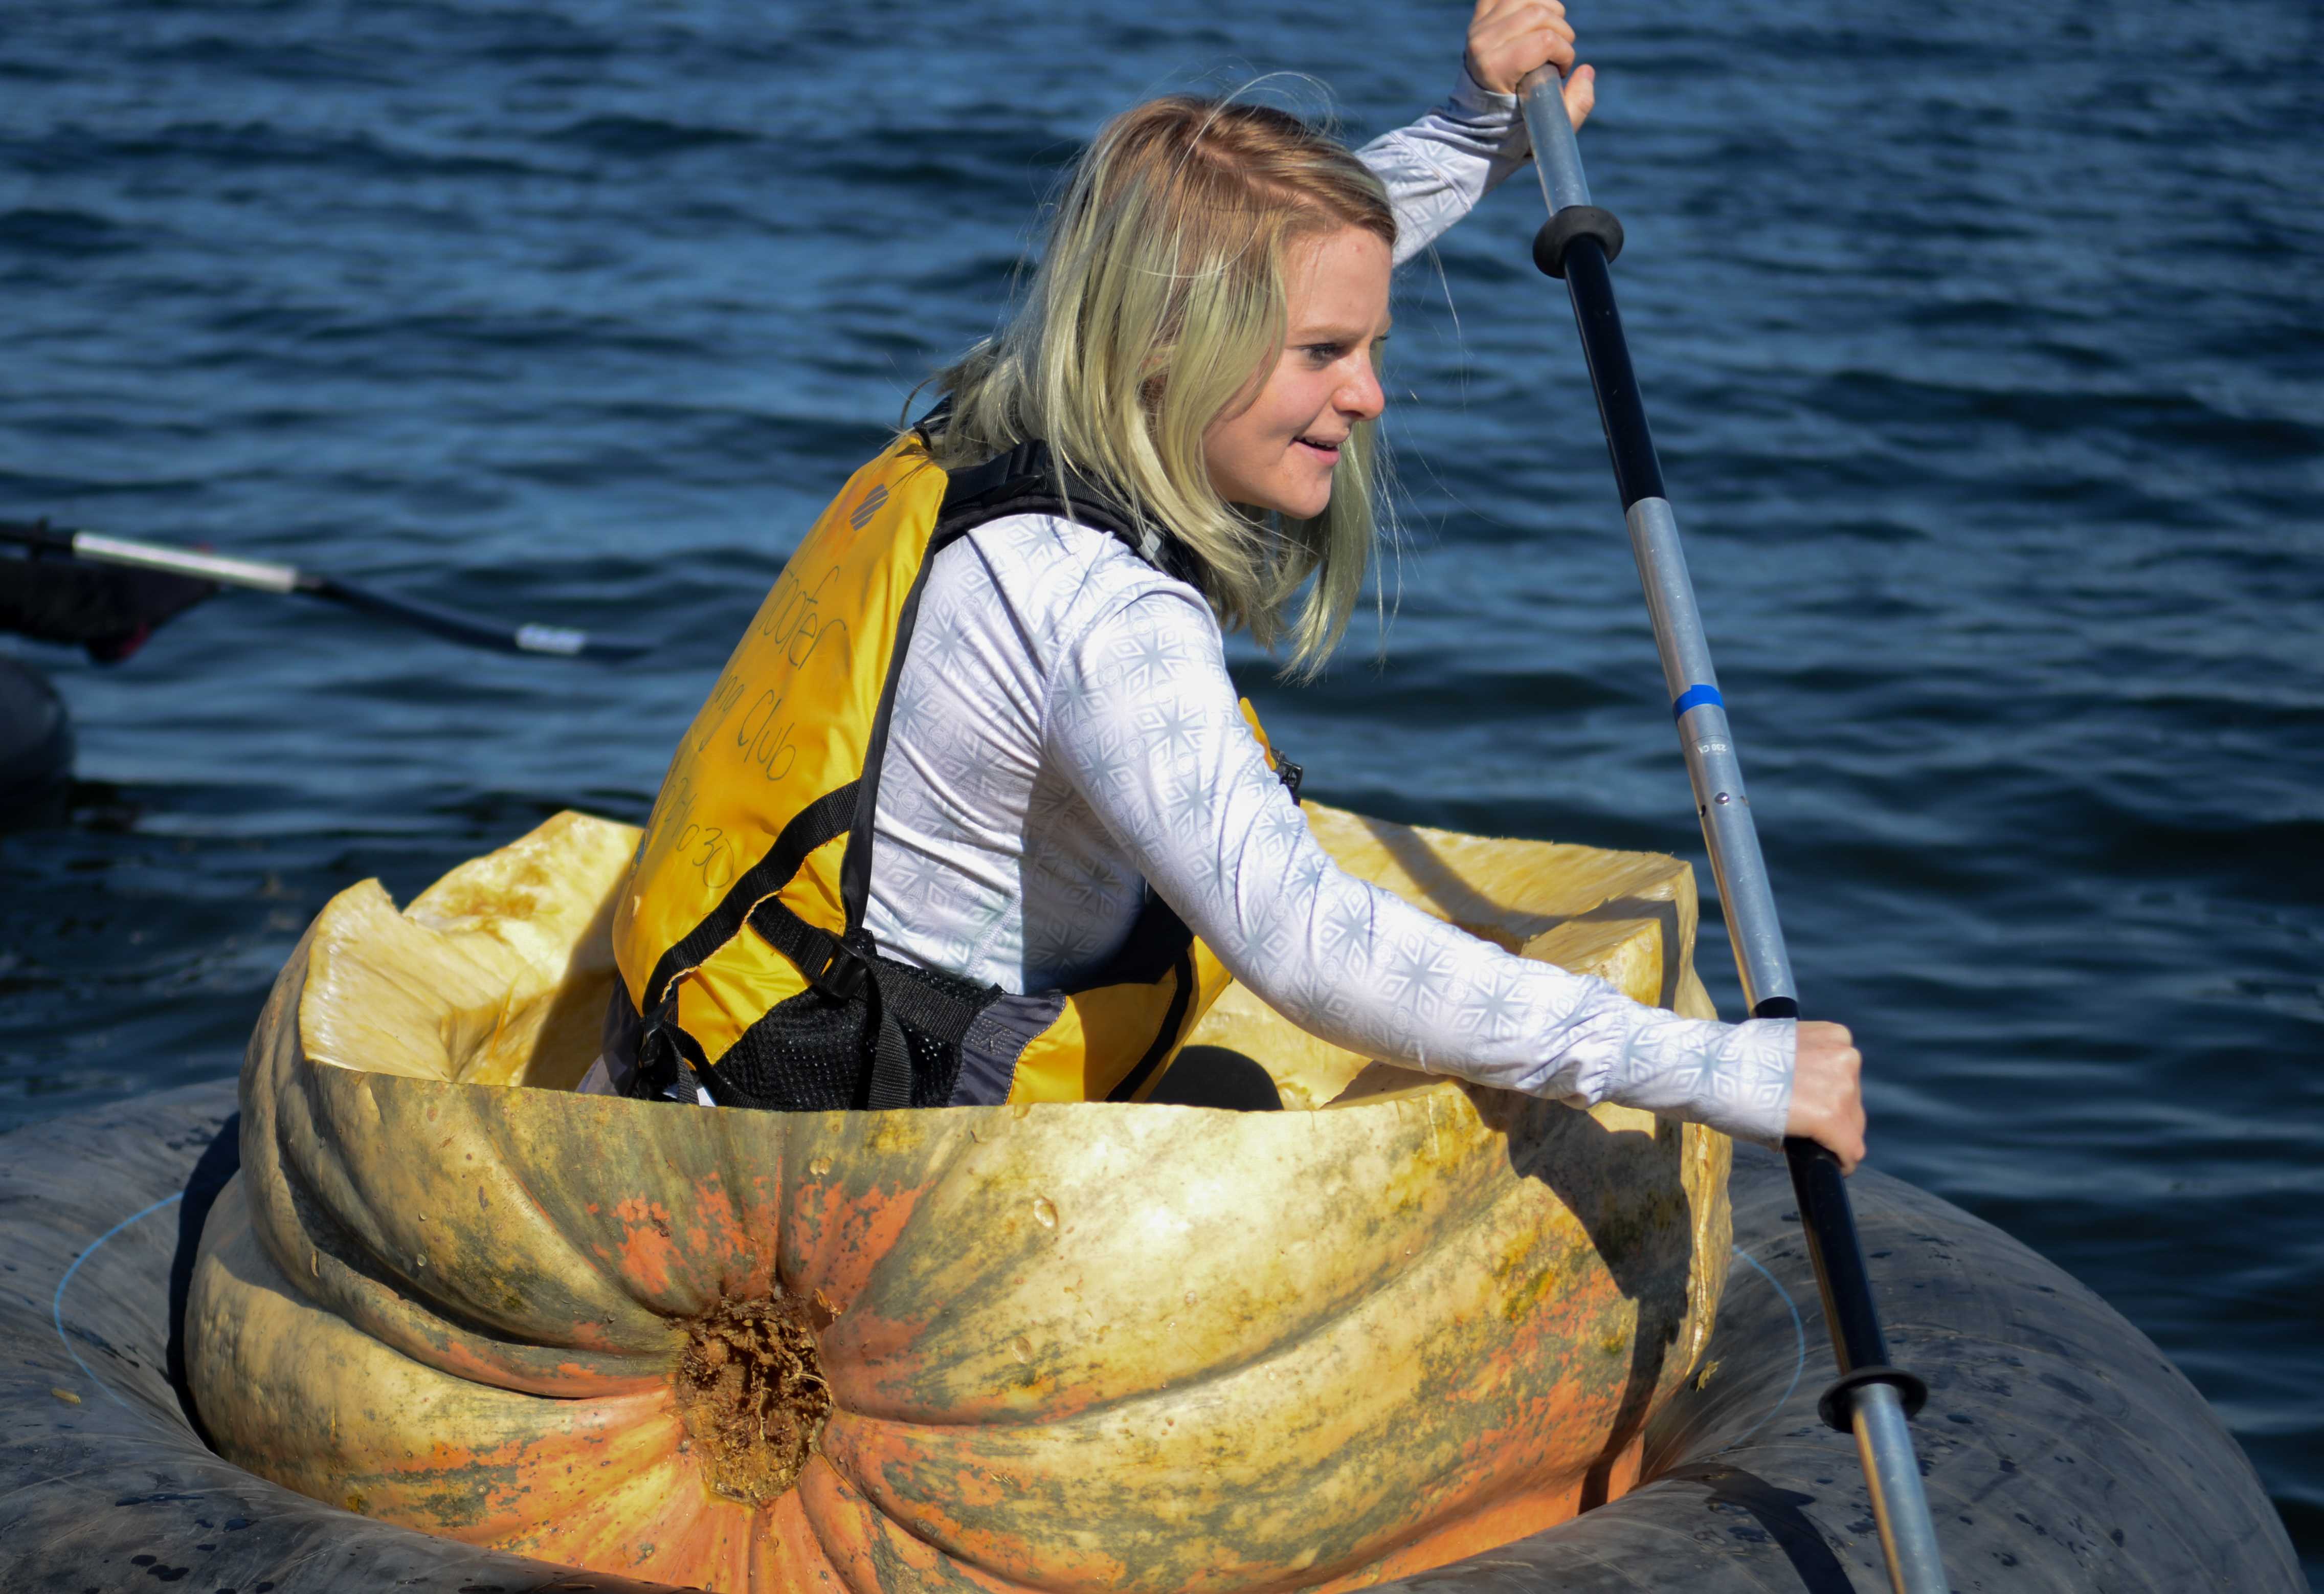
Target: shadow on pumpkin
[572, 1029]
[1441, 883]
[220, 1161]
[1614, 1181]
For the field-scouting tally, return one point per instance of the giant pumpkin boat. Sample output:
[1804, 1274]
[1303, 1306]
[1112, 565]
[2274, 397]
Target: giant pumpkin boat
[1047, 1346]
[502, 1337]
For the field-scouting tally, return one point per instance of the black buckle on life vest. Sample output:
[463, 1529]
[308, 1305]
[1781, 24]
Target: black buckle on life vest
[660, 1061]
[668, 1063]
[843, 974]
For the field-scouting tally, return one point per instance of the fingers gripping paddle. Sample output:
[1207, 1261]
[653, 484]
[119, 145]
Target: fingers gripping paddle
[1870, 1397]
[261, 577]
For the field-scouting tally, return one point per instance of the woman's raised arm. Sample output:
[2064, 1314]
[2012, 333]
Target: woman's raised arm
[1437, 169]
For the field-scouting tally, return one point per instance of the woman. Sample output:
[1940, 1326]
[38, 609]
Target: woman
[972, 814]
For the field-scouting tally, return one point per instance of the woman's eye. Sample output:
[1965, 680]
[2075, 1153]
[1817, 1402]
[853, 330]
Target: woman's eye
[1323, 354]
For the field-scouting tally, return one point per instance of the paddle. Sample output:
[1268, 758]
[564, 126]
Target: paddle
[1870, 1397]
[261, 577]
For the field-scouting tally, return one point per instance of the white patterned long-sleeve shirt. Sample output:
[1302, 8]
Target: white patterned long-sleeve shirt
[1065, 732]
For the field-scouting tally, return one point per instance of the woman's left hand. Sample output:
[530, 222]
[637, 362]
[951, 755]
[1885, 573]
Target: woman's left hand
[1510, 38]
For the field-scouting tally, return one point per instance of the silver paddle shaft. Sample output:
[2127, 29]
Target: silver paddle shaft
[1720, 799]
[1876, 1410]
[256, 574]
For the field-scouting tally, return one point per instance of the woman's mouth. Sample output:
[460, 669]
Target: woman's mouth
[1329, 452]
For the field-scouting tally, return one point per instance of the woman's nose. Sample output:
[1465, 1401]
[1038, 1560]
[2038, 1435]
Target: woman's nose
[1360, 395]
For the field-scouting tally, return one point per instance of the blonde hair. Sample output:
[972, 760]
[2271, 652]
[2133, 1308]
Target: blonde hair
[1160, 300]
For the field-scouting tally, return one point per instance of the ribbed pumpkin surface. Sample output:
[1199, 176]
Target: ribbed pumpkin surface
[1072, 1347]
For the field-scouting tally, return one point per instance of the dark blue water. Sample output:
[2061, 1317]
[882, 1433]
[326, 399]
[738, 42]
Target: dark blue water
[1986, 345]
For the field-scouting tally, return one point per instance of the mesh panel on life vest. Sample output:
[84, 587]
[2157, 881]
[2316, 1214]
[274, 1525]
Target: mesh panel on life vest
[805, 1053]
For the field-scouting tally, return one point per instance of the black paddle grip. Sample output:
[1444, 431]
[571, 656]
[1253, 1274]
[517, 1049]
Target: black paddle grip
[1828, 1220]
[1575, 221]
[1629, 440]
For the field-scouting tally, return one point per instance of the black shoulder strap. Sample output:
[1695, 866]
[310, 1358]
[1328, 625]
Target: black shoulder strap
[810, 828]
[1028, 480]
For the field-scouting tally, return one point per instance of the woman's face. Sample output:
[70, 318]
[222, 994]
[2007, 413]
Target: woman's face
[1277, 450]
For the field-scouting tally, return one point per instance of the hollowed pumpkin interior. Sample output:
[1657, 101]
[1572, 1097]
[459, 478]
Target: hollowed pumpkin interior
[511, 987]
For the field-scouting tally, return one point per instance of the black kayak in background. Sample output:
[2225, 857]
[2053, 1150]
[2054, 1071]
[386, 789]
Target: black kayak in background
[109, 613]
[36, 743]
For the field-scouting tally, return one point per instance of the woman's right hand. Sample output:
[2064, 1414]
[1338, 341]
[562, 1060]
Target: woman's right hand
[1510, 38]
[1827, 1092]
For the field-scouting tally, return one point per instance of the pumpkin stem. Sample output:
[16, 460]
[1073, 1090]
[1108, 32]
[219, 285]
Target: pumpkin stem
[751, 1393]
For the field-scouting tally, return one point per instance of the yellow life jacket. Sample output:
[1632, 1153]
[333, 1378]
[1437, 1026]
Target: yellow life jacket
[739, 935]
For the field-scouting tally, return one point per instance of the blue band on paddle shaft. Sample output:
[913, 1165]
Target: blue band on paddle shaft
[1695, 697]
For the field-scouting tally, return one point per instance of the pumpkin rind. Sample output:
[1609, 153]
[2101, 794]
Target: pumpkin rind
[1068, 1346]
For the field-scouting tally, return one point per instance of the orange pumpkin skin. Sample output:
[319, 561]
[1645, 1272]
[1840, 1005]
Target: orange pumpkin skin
[1066, 1347]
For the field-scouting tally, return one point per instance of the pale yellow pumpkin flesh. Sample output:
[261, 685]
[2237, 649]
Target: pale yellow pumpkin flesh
[1060, 1346]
